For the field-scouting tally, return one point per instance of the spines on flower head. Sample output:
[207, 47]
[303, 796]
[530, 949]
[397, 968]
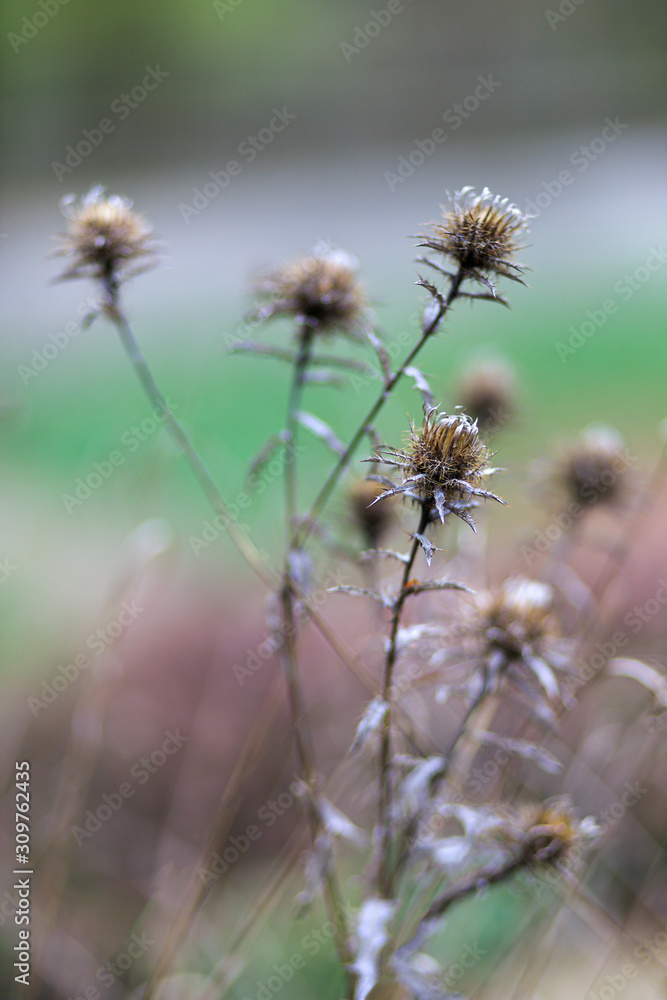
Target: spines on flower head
[320, 291]
[105, 238]
[443, 465]
[481, 233]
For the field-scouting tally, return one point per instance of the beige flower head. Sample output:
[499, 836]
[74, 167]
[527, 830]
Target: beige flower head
[321, 291]
[105, 238]
[553, 834]
[481, 233]
[444, 465]
[517, 618]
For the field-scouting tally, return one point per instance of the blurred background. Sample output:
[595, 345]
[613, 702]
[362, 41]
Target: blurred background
[348, 124]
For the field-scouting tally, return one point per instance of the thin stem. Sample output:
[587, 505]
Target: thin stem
[302, 733]
[323, 496]
[385, 866]
[138, 362]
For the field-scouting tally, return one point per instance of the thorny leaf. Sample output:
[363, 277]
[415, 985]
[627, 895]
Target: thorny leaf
[383, 599]
[338, 824]
[414, 790]
[421, 384]
[372, 935]
[415, 587]
[371, 721]
[433, 291]
[324, 377]
[427, 545]
[254, 347]
[413, 633]
[422, 987]
[320, 430]
[318, 863]
[382, 355]
[544, 674]
[522, 748]
[275, 442]
[371, 554]
[645, 675]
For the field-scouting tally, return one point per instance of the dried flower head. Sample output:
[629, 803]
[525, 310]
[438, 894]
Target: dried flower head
[596, 468]
[443, 465]
[553, 833]
[517, 617]
[481, 233]
[487, 391]
[373, 520]
[321, 291]
[514, 632]
[105, 238]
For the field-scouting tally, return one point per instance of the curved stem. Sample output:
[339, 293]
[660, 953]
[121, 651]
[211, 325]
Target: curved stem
[247, 549]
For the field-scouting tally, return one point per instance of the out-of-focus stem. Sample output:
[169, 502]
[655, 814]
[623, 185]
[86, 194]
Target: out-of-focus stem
[384, 818]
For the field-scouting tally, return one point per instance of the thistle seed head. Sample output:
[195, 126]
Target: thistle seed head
[594, 469]
[105, 239]
[553, 833]
[443, 465]
[516, 618]
[481, 233]
[487, 391]
[320, 291]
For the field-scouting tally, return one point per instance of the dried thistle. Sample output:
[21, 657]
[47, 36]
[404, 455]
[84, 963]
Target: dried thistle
[443, 466]
[487, 391]
[596, 468]
[516, 634]
[105, 238]
[320, 291]
[373, 520]
[481, 233]
[552, 832]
